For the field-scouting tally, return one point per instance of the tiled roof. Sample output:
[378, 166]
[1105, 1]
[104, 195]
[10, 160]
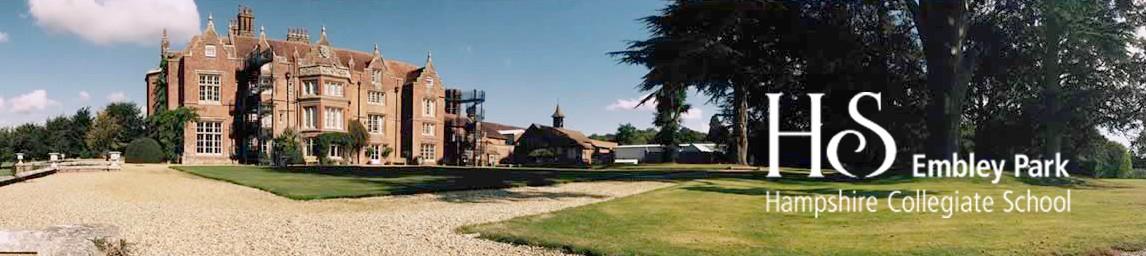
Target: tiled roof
[577, 137]
[491, 129]
[244, 45]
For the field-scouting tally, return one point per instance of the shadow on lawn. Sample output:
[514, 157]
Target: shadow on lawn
[483, 196]
[799, 192]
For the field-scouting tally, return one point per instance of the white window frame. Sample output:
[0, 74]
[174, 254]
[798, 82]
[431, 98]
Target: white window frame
[310, 117]
[429, 129]
[309, 87]
[210, 87]
[376, 124]
[376, 78]
[332, 88]
[308, 147]
[210, 51]
[209, 138]
[334, 152]
[428, 151]
[377, 152]
[376, 97]
[429, 107]
[333, 119]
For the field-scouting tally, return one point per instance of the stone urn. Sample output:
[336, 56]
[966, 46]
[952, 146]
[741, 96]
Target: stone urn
[54, 158]
[20, 158]
[113, 157]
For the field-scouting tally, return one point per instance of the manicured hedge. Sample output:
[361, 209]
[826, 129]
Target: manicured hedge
[143, 150]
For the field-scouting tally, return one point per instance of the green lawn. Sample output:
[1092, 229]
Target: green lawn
[306, 183]
[725, 216]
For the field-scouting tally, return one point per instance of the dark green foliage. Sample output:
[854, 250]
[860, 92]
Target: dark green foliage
[1107, 159]
[627, 134]
[325, 140]
[143, 150]
[81, 121]
[359, 136]
[287, 149]
[167, 127]
[128, 117]
[29, 139]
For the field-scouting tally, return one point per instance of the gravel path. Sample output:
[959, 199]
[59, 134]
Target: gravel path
[166, 212]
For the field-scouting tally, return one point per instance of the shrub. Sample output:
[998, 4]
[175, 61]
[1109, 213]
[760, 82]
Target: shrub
[143, 150]
[324, 141]
[287, 149]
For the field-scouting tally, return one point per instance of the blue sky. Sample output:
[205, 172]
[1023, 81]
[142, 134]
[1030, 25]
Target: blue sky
[60, 55]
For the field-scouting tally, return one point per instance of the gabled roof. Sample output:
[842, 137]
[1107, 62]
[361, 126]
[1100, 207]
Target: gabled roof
[493, 130]
[245, 45]
[573, 136]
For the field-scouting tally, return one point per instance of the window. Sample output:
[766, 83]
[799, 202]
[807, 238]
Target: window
[308, 147]
[375, 124]
[335, 151]
[376, 97]
[209, 138]
[429, 107]
[332, 89]
[309, 87]
[209, 51]
[333, 118]
[209, 87]
[428, 129]
[429, 82]
[309, 117]
[377, 154]
[376, 78]
[428, 151]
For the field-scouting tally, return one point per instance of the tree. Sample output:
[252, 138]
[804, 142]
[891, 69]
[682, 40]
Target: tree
[697, 44]
[81, 121]
[130, 120]
[58, 129]
[626, 134]
[942, 27]
[167, 127]
[717, 132]
[6, 148]
[104, 134]
[359, 137]
[30, 139]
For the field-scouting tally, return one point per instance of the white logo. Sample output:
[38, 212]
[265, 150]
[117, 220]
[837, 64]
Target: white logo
[774, 134]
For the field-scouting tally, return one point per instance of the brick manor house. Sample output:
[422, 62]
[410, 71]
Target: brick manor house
[248, 88]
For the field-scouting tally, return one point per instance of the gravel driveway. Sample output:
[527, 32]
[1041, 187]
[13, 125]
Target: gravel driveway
[166, 212]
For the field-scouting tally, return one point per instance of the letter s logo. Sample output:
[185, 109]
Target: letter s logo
[888, 141]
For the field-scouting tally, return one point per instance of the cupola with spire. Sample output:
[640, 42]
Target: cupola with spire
[558, 117]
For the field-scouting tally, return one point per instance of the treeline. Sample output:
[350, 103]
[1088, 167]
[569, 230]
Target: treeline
[996, 78]
[627, 134]
[83, 135]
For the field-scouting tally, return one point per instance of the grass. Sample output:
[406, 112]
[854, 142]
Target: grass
[347, 182]
[726, 216]
[678, 167]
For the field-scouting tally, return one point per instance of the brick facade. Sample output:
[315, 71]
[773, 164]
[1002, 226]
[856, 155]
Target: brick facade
[314, 87]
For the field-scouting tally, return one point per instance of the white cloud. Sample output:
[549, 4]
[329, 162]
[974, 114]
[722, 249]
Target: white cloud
[693, 113]
[3, 37]
[2, 105]
[84, 96]
[33, 101]
[118, 21]
[116, 97]
[632, 104]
